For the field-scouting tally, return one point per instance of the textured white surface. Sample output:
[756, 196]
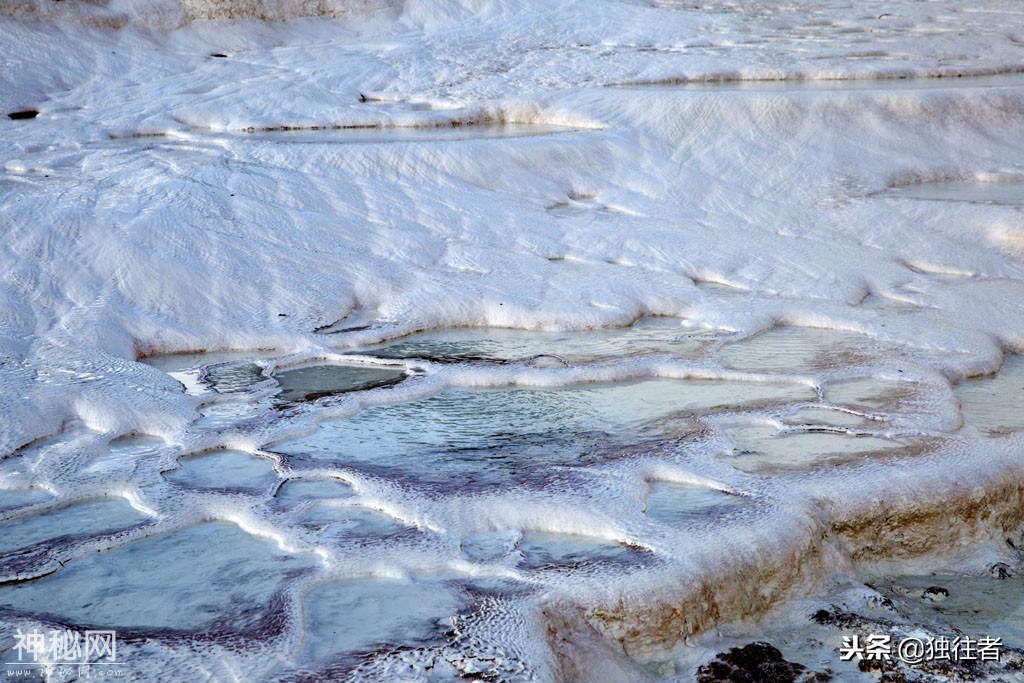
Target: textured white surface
[592, 187]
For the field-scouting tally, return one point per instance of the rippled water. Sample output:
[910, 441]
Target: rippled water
[647, 336]
[462, 439]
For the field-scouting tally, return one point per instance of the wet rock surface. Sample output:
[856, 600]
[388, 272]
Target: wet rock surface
[935, 594]
[327, 379]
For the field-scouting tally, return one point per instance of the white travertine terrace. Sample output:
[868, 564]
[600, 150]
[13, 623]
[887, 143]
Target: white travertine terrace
[821, 201]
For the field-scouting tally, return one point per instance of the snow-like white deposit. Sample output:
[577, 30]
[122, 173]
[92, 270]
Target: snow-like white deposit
[201, 179]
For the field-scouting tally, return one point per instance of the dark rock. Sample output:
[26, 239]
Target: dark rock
[935, 594]
[23, 114]
[882, 602]
[1000, 570]
[755, 663]
[884, 670]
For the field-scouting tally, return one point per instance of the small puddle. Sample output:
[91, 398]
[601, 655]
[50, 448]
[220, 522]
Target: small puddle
[337, 523]
[648, 336]
[232, 377]
[795, 349]
[870, 394]
[238, 373]
[183, 362]
[222, 371]
[995, 403]
[228, 413]
[545, 550]
[672, 503]
[79, 520]
[358, 617]
[762, 450]
[224, 470]
[298, 491]
[549, 550]
[212, 573]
